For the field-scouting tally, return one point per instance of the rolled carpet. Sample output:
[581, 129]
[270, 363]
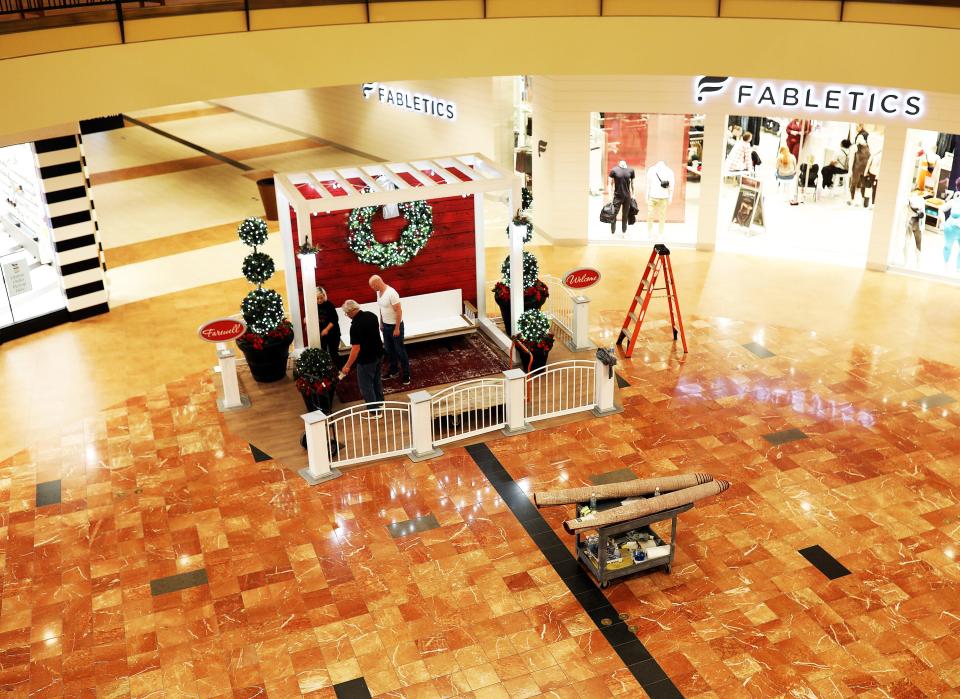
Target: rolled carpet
[642, 508]
[627, 489]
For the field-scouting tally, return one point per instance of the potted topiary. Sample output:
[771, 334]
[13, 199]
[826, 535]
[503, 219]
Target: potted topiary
[534, 340]
[316, 379]
[535, 292]
[266, 344]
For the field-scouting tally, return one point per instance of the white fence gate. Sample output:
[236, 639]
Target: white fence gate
[560, 389]
[468, 409]
[358, 434]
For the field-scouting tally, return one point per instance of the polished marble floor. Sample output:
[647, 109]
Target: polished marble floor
[304, 588]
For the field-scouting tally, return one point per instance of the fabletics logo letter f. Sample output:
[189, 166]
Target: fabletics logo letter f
[367, 88]
[708, 84]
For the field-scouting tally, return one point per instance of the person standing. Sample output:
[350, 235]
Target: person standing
[391, 324]
[329, 326]
[366, 351]
[622, 178]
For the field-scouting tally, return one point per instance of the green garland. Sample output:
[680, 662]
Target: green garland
[413, 239]
[521, 220]
[526, 198]
[531, 269]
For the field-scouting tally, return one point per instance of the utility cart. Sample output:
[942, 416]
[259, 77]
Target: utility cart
[597, 565]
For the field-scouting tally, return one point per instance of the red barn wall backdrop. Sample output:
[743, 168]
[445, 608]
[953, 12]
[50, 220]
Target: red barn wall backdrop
[447, 262]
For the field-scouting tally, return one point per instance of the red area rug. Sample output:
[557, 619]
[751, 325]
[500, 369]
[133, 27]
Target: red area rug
[437, 362]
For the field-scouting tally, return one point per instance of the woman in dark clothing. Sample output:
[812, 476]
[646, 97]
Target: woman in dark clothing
[329, 327]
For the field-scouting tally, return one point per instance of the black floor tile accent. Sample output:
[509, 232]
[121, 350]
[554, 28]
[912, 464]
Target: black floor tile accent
[630, 649]
[352, 689]
[413, 526]
[937, 400]
[622, 382]
[784, 436]
[619, 476]
[759, 350]
[258, 455]
[48, 493]
[824, 562]
[180, 581]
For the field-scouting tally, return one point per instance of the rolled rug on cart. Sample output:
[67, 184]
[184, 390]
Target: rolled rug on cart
[626, 489]
[648, 506]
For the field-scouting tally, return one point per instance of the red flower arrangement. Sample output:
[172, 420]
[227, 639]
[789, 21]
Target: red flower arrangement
[279, 335]
[534, 296]
[314, 387]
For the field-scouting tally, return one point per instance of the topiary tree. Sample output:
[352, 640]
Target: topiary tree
[262, 308]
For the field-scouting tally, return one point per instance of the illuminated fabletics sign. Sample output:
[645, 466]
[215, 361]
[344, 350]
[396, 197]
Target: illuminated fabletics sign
[411, 101]
[840, 99]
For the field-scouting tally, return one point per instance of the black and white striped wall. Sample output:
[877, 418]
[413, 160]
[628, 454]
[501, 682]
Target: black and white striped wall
[79, 255]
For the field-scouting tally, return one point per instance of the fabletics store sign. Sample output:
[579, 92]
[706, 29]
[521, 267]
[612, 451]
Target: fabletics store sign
[867, 101]
[410, 101]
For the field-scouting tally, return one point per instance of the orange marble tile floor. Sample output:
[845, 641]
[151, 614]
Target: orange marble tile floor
[306, 587]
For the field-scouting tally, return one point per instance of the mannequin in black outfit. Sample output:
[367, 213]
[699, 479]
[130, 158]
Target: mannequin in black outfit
[622, 179]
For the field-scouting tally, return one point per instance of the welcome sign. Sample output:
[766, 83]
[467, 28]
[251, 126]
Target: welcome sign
[830, 99]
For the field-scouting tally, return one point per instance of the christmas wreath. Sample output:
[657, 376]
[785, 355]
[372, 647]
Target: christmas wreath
[413, 239]
[521, 220]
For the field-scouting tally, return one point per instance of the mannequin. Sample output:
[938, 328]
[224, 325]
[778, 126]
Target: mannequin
[951, 236]
[916, 211]
[621, 179]
[860, 157]
[869, 180]
[660, 183]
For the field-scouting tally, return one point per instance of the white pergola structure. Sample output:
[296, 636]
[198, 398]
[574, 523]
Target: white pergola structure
[344, 188]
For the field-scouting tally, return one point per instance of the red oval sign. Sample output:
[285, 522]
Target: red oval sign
[581, 278]
[222, 330]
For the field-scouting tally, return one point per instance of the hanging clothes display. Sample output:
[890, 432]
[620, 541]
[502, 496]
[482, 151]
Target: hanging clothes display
[795, 129]
[944, 143]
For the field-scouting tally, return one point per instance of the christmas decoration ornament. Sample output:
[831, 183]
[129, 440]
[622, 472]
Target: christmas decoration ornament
[253, 231]
[413, 239]
[526, 198]
[531, 269]
[258, 267]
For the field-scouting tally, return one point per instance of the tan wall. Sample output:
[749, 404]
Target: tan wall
[343, 116]
[55, 88]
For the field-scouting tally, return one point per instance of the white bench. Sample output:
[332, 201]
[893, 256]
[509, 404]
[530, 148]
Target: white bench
[425, 317]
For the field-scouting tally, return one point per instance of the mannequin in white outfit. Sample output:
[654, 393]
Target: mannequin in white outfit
[660, 183]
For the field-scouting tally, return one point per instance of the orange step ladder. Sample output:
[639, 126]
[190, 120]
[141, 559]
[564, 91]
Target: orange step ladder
[659, 262]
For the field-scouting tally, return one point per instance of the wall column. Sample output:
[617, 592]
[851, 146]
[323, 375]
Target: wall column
[714, 132]
[891, 194]
[78, 253]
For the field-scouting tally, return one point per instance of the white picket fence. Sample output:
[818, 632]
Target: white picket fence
[416, 428]
[560, 389]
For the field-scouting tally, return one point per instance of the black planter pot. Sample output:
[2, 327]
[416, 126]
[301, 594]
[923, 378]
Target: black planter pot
[318, 401]
[537, 355]
[270, 363]
[528, 304]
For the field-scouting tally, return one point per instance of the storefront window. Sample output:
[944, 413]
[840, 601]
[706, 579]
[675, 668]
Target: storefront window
[665, 152]
[926, 236]
[30, 282]
[799, 188]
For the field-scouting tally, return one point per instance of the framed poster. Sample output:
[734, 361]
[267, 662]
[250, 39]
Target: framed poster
[748, 209]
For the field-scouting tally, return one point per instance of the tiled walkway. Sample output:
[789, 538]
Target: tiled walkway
[304, 588]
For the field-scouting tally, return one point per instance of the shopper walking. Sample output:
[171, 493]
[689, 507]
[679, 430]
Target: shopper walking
[391, 324]
[366, 351]
[329, 326]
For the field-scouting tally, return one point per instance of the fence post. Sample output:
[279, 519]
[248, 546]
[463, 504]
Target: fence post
[606, 382]
[227, 367]
[514, 395]
[421, 427]
[318, 450]
[581, 325]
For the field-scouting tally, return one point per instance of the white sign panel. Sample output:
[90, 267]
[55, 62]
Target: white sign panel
[410, 101]
[17, 277]
[825, 99]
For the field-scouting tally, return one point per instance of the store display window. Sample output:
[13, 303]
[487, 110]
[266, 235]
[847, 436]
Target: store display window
[30, 285]
[926, 235]
[664, 154]
[799, 188]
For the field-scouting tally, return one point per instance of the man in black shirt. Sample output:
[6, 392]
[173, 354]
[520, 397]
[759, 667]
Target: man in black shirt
[366, 351]
[622, 178]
